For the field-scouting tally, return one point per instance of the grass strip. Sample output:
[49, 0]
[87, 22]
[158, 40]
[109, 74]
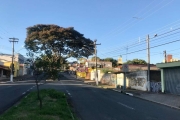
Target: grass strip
[54, 107]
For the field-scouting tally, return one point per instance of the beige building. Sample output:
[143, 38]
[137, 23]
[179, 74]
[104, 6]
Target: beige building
[19, 66]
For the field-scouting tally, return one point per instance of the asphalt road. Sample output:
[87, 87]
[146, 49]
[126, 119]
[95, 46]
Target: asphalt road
[11, 93]
[93, 103]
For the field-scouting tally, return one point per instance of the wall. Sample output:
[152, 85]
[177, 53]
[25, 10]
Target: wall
[155, 86]
[155, 81]
[155, 75]
[109, 79]
[137, 80]
[16, 67]
[120, 80]
[93, 74]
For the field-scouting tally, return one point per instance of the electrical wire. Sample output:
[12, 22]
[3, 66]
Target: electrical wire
[144, 41]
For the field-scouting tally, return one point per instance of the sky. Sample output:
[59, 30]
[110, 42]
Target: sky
[121, 26]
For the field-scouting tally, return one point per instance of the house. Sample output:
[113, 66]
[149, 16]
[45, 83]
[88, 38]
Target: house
[100, 64]
[19, 66]
[136, 77]
[170, 77]
[137, 67]
[4, 71]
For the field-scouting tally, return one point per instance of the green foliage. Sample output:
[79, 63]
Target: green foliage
[53, 39]
[50, 64]
[114, 61]
[55, 94]
[136, 61]
[53, 42]
[55, 106]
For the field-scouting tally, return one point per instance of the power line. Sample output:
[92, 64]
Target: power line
[151, 47]
[176, 24]
[143, 42]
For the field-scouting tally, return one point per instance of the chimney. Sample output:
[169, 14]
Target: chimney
[168, 58]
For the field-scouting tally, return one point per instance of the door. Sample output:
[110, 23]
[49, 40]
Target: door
[172, 80]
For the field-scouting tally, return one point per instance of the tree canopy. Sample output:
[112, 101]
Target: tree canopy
[136, 61]
[53, 39]
[114, 61]
[55, 44]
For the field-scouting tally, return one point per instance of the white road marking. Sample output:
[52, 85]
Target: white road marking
[129, 94]
[126, 106]
[68, 93]
[24, 93]
[31, 88]
[27, 90]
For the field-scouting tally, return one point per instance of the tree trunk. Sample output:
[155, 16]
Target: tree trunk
[38, 94]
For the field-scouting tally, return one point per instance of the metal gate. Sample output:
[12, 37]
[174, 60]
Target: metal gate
[172, 80]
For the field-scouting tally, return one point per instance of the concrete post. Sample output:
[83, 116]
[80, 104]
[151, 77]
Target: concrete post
[124, 88]
[162, 81]
[1, 73]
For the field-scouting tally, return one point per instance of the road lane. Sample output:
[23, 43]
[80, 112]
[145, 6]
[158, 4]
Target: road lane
[93, 103]
[10, 93]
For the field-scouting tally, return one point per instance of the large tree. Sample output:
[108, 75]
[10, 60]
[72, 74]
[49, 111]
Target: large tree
[136, 61]
[57, 40]
[54, 43]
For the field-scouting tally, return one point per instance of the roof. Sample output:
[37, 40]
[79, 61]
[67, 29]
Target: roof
[4, 67]
[168, 65]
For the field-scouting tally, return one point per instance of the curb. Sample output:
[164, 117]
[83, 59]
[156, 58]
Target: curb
[130, 94]
[158, 103]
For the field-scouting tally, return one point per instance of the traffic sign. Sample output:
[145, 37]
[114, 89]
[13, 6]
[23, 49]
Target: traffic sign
[125, 67]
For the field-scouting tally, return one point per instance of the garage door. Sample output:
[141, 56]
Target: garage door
[172, 80]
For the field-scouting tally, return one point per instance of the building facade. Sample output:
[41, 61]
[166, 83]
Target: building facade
[170, 77]
[19, 66]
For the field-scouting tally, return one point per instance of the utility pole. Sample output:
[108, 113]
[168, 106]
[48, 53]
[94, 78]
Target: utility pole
[126, 52]
[13, 40]
[95, 52]
[148, 64]
[165, 56]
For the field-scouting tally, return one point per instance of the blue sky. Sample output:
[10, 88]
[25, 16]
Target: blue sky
[121, 26]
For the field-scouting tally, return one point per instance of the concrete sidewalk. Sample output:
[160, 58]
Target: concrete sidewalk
[160, 98]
